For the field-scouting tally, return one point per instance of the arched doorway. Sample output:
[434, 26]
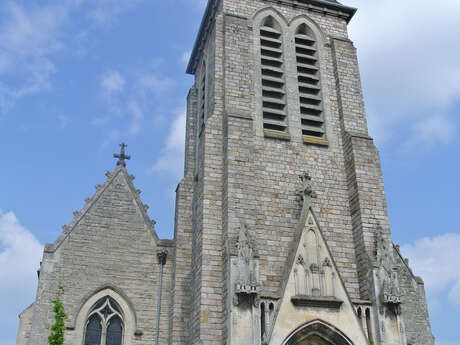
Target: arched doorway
[317, 333]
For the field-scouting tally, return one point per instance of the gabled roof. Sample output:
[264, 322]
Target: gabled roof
[333, 5]
[90, 202]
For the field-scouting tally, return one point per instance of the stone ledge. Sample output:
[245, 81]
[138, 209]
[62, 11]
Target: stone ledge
[359, 135]
[315, 141]
[240, 116]
[275, 134]
[317, 302]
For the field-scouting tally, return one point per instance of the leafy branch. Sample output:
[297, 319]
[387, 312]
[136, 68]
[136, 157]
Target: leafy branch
[56, 336]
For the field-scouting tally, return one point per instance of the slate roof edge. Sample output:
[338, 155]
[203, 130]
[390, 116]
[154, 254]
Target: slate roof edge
[212, 5]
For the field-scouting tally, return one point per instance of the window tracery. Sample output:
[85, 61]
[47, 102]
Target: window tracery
[104, 324]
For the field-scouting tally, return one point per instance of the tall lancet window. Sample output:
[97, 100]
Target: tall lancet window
[308, 76]
[273, 82]
[105, 323]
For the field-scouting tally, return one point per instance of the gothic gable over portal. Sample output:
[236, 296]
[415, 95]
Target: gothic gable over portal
[313, 292]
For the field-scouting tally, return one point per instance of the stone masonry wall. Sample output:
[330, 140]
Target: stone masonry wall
[207, 287]
[263, 172]
[182, 278]
[413, 307]
[365, 185]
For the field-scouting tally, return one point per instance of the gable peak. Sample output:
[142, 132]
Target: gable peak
[120, 174]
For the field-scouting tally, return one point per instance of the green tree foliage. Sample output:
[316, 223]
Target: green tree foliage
[56, 336]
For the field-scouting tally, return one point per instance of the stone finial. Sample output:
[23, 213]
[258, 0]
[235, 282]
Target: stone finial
[162, 255]
[87, 200]
[132, 177]
[122, 156]
[98, 186]
[108, 174]
[76, 213]
[65, 228]
[146, 207]
[153, 222]
[306, 190]
[138, 191]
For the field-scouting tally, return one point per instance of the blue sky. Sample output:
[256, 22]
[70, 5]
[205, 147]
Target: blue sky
[77, 77]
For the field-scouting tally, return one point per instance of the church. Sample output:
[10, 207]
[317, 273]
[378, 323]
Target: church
[281, 232]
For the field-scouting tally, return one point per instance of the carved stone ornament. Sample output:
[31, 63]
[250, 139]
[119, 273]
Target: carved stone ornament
[246, 282]
[314, 275]
[390, 295]
[306, 190]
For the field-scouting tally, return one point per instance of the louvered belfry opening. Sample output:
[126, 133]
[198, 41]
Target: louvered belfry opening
[273, 83]
[311, 107]
[202, 98]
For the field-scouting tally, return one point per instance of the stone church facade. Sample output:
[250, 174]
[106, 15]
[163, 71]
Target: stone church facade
[281, 228]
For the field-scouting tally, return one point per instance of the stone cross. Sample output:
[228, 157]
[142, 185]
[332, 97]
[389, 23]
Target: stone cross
[122, 156]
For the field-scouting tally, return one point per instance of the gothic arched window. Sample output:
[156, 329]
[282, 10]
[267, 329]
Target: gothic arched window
[104, 325]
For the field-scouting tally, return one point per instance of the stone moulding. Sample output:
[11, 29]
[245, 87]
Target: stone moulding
[316, 302]
[247, 289]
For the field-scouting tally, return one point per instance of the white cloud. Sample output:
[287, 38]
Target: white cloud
[186, 57]
[113, 136]
[132, 96]
[20, 256]
[409, 64]
[137, 118]
[112, 88]
[112, 82]
[430, 131]
[151, 83]
[104, 12]
[29, 36]
[171, 161]
[436, 259]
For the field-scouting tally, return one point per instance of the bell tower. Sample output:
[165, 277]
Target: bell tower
[282, 230]
[281, 227]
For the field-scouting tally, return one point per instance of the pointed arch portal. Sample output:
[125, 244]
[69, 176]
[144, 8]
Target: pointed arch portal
[317, 333]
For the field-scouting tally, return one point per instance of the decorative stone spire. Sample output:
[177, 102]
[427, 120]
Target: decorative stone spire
[122, 156]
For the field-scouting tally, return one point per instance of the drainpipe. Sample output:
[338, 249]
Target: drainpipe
[162, 255]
